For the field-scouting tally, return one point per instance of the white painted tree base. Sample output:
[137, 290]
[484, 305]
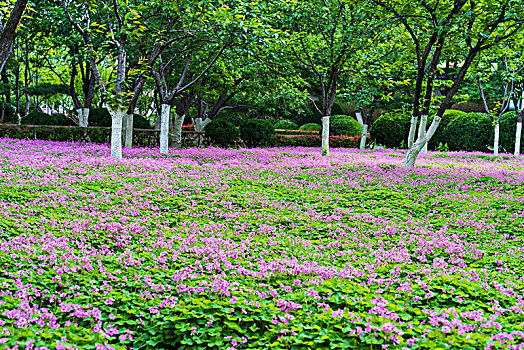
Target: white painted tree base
[325, 136]
[518, 136]
[117, 116]
[364, 136]
[496, 140]
[412, 130]
[164, 128]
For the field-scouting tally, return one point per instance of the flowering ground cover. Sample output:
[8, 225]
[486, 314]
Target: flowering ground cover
[276, 248]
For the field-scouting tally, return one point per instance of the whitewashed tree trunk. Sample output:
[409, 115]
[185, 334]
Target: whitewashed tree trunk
[414, 151]
[496, 139]
[117, 115]
[129, 131]
[164, 128]
[177, 126]
[325, 136]
[518, 135]
[359, 118]
[200, 124]
[364, 136]
[83, 117]
[412, 130]
[422, 131]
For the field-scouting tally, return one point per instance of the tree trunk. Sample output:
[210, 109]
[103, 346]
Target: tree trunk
[83, 117]
[325, 135]
[164, 128]
[422, 131]
[359, 118]
[177, 130]
[518, 135]
[496, 139]
[414, 151]
[117, 115]
[129, 131]
[8, 33]
[364, 136]
[412, 130]
[200, 124]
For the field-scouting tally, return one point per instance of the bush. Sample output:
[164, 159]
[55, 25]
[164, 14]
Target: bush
[448, 117]
[335, 141]
[508, 128]
[99, 117]
[391, 129]
[468, 132]
[222, 133]
[286, 124]
[10, 116]
[41, 118]
[140, 122]
[233, 118]
[344, 125]
[310, 127]
[257, 133]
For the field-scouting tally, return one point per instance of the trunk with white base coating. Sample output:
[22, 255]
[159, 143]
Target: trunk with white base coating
[200, 124]
[518, 135]
[496, 140]
[117, 115]
[129, 131]
[325, 135]
[359, 118]
[364, 136]
[177, 130]
[422, 131]
[412, 130]
[164, 128]
[414, 151]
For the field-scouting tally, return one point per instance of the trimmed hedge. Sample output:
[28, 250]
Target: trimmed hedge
[257, 133]
[344, 125]
[391, 129]
[448, 117]
[53, 133]
[233, 118]
[508, 128]
[222, 133]
[469, 132]
[10, 116]
[101, 117]
[310, 126]
[41, 118]
[286, 124]
[335, 141]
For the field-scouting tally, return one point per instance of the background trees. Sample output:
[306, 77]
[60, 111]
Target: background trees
[303, 61]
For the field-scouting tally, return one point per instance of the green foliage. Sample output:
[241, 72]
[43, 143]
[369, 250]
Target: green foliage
[222, 133]
[447, 118]
[233, 118]
[310, 126]
[344, 125]
[99, 117]
[469, 132]
[10, 116]
[47, 90]
[257, 133]
[508, 126]
[48, 133]
[391, 129]
[335, 141]
[140, 122]
[286, 124]
[40, 118]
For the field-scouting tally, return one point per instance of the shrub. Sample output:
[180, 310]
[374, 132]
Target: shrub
[335, 141]
[233, 118]
[140, 122]
[257, 133]
[391, 129]
[99, 117]
[311, 127]
[448, 117]
[344, 125]
[468, 132]
[286, 124]
[508, 128]
[222, 133]
[41, 118]
[10, 116]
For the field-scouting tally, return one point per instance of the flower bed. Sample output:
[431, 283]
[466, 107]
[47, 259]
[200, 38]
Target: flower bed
[260, 248]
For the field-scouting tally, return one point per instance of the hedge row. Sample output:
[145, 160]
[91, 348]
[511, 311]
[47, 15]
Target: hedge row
[335, 141]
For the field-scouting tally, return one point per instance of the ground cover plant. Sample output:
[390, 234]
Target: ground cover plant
[258, 249]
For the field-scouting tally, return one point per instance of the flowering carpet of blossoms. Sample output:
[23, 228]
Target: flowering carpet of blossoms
[260, 248]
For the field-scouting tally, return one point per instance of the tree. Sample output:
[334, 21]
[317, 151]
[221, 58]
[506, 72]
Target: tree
[434, 28]
[8, 31]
